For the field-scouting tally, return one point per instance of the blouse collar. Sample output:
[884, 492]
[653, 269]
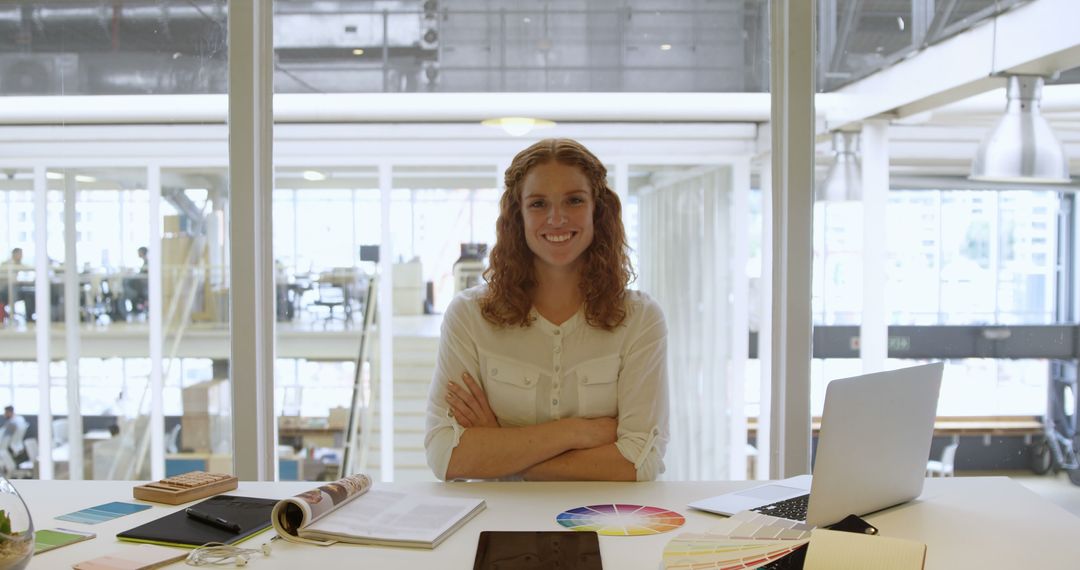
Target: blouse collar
[555, 330]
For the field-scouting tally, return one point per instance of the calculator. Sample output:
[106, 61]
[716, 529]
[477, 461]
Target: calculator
[186, 487]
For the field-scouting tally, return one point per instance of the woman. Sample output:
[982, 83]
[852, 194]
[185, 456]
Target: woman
[552, 370]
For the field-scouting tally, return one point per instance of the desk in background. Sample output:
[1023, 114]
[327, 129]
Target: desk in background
[985, 523]
[301, 437]
[289, 468]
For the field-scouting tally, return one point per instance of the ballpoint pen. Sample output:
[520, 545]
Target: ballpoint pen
[212, 520]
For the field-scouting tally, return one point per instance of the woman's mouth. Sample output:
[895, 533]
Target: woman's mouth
[559, 237]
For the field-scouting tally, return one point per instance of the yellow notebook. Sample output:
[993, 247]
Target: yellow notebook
[834, 550]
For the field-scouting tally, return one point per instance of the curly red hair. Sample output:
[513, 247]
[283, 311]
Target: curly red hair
[606, 269]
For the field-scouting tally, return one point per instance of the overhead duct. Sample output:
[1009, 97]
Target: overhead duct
[84, 48]
[1021, 147]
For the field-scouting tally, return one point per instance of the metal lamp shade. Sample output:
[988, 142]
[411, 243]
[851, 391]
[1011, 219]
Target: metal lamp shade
[844, 179]
[1021, 147]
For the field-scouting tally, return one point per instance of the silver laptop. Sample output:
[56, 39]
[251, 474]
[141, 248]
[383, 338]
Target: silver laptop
[875, 439]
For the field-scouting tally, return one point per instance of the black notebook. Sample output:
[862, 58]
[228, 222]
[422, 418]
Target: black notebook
[178, 529]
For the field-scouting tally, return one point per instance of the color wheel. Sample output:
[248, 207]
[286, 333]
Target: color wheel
[621, 520]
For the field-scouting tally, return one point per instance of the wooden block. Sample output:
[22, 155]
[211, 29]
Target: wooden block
[184, 488]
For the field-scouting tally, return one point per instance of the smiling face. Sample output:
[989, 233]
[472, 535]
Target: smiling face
[557, 208]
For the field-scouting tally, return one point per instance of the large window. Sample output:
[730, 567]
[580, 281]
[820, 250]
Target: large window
[116, 139]
[954, 257]
[123, 276]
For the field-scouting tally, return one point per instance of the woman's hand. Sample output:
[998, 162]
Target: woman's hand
[595, 432]
[469, 404]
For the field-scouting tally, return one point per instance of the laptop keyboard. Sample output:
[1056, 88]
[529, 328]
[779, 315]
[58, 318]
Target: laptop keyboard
[791, 509]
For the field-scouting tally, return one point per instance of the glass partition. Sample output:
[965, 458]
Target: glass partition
[108, 383]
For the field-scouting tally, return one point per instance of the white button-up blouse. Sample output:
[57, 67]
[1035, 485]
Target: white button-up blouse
[545, 372]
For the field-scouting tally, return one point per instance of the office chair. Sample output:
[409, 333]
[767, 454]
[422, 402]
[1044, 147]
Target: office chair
[944, 467]
[336, 288]
[59, 432]
[27, 469]
[172, 440]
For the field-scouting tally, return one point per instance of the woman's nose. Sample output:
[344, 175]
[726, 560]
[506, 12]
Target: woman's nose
[556, 216]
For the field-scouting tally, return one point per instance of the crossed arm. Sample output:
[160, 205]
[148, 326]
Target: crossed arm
[565, 449]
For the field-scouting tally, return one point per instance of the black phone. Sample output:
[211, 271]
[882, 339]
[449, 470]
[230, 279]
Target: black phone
[852, 523]
[528, 550]
[794, 561]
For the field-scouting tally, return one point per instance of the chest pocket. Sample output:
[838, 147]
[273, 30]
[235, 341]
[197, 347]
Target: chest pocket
[598, 384]
[511, 390]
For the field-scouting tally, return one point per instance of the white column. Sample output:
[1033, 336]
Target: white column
[500, 184]
[622, 189]
[71, 330]
[157, 332]
[764, 424]
[874, 331]
[792, 50]
[251, 294]
[740, 316]
[385, 319]
[41, 299]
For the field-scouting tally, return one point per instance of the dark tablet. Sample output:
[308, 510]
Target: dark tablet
[527, 550]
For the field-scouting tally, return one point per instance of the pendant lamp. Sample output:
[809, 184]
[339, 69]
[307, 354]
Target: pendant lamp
[844, 180]
[1021, 147]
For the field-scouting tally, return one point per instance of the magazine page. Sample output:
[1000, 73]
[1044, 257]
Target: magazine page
[292, 515]
[393, 517]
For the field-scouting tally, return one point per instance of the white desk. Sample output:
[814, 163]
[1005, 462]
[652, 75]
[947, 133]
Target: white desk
[983, 523]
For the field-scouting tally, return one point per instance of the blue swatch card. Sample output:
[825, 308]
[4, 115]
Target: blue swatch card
[102, 513]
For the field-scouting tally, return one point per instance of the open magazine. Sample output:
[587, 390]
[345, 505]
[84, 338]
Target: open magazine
[349, 510]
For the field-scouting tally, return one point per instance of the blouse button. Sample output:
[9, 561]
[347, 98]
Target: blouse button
[555, 402]
[528, 381]
[557, 331]
[558, 349]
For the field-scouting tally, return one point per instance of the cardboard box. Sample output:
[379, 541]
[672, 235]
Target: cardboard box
[408, 300]
[195, 433]
[206, 433]
[210, 397]
[339, 418]
[221, 435]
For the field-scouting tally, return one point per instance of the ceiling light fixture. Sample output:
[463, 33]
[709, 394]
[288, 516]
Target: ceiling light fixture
[358, 51]
[518, 126]
[665, 47]
[844, 180]
[1021, 147]
[313, 175]
[54, 175]
[84, 178]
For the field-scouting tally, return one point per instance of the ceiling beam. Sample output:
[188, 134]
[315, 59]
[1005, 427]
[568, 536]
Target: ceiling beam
[393, 107]
[1037, 38]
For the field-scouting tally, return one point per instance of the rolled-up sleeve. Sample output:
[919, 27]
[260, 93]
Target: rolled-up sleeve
[643, 395]
[457, 354]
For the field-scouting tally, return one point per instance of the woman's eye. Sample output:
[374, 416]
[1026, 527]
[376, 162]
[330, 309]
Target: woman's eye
[536, 204]
[577, 200]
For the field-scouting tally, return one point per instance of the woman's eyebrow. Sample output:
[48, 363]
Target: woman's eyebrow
[537, 194]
